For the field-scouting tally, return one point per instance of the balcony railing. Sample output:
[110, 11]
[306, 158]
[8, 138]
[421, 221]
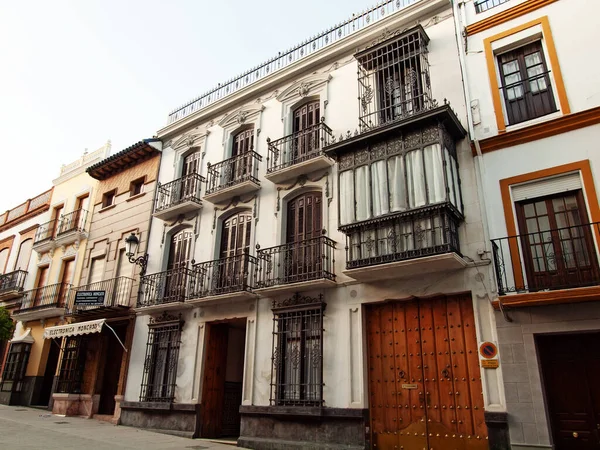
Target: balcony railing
[559, 258]
[52, 296]
[45, 232]
[529, 98]
[484, 5]
[13, 281]
[232, 171]
[182, 190]
[307, 260]
[298, 147]
[415, 234]
[166, 287]
[74, 221]
[225, 276]
[117, 292]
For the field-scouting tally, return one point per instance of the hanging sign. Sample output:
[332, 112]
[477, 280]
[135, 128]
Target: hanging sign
[89, 298]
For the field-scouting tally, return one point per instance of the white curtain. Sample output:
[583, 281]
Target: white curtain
[380, 189]
[363, 191]
[450, 168]
[347, 197]
[397, 183]
[415, 179]
[434, 170]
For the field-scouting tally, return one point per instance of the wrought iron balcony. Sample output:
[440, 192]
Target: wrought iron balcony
[180, 196]
[166, 288]
[484, 5]
[233, 177]
[310, 260]
[233, 276]
[117, 293]
[12, 284]
[72, 227]
[44, 236]
[561, 258]
[46, 301]
[298, 153]
[412, 242]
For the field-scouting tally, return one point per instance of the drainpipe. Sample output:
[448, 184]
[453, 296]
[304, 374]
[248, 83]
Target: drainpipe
[459, 18]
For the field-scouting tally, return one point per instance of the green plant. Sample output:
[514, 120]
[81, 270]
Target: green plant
[7, 326]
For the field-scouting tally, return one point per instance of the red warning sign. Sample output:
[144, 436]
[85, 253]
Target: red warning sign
[488, 350]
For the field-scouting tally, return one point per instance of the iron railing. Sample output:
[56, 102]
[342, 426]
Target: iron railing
[310, 259]
[165, 287]
[484, 5]
[52, 296]
[45, 232]
[13, 281]
[529, 98]
[74, 221]
[117, 292]
[183, 189]
[393, 80]
[232, 171]
[286, 58]
[415, 234]
[560, 258]
[224, 276]
[298, 147]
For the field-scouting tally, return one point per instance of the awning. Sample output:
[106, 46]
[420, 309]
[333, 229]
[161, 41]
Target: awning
[26, 338]
[74, 329]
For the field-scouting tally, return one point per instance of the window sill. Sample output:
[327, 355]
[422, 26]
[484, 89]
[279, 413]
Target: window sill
[536, 121]
[160, 406]
[106, 208]
[136, 196]
[304, 411]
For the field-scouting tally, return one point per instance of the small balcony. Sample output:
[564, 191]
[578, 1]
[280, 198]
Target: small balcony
[298, 154]
[181, 196]
[545, 261]
[485, 5]
[44, 236]
[165, 290]
[43, 302]
[233, 177]
[404, 245]
[11, 285]
[108, 296]
[225, 279]
[296, 267]
[72, 228]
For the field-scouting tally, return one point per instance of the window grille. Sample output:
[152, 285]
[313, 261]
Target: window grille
[72, 365]
[297, 359]
[15, 367]
[484, 5]
[162, 355]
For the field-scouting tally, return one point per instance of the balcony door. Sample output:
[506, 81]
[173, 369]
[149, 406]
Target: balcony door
[42, 280]
[65, 280]
[303, 258]
[81, 209]
[179, 257]
[241, 158]
[306, 132]
[557, 242]
[235, 246]
[56, 216]
[190, 184]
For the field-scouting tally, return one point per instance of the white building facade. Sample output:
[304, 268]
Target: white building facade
[535, 131]
[318, 268]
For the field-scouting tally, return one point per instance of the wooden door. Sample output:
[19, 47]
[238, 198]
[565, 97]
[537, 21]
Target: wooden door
[424, 377]
[235, 245]
[308, 140]
[179, 255]
[190, 185]
[213, 386]
[42, 280]
[303, 255]
[65, 279]
[81, 208]
[570, 367]
[558, 246]
[56, 220]
[241, 157]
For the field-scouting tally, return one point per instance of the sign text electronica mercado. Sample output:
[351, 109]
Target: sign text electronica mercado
[89, 298]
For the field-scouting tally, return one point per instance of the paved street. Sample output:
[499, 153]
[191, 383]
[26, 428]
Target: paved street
[33, 429]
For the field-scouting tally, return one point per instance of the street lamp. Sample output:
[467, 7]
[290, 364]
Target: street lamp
[131, 247]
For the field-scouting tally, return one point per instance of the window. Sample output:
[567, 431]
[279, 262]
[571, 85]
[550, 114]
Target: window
[484, 5]
[393, 79]
[108, 198]
[72, 365]
[160, 364]
[526, 86]
[3, 259]
[410, 172]
[15, 367]
[24, 254]
[297, 370]
[136, 186]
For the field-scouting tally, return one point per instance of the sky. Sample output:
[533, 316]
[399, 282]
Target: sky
[74, 74]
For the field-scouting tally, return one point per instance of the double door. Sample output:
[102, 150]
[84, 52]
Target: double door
[424, 377]
[306, 131]
[177, 274]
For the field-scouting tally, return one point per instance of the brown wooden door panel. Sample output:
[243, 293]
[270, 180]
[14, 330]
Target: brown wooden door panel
[213, 388]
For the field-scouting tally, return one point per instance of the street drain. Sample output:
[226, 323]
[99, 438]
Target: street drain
[60, 423]
[20, 410]
[197, 447]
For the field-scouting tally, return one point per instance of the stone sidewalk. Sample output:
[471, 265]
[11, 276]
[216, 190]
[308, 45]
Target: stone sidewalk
[35, 429]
